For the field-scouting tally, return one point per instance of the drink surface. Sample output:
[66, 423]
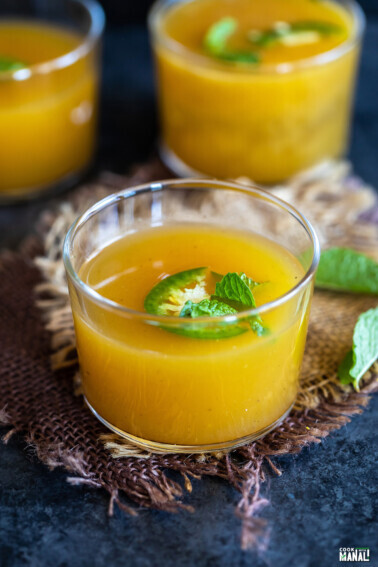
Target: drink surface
[126, 270]
[46, 119]
[169, 388]
[33, 42]
[188, 23]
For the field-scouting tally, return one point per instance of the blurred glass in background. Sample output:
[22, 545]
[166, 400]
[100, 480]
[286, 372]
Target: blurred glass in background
[49, 85]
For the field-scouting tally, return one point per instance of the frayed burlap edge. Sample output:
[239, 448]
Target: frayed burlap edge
[334, 201]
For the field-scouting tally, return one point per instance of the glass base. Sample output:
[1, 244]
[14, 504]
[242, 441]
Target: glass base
[156, 447]
[176, 165]
[179, 168]
[14, 196]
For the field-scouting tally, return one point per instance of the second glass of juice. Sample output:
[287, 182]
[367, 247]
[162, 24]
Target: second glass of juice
[255, 88]
[164, 380]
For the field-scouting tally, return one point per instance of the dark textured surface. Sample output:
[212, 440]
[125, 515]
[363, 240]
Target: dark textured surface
[326, 498]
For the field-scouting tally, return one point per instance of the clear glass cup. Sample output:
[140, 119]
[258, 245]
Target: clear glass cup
[265, 122]
[139, 379]
[48, 110]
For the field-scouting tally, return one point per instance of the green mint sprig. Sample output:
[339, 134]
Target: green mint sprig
[235, 287]
[343, 269]
[249, 281]
[185, 294]
[216, 40]
[218, 35]
[10, 64]
[233, 294]
[365, 349]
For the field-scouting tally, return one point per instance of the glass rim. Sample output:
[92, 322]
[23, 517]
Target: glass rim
[157, 11]
[97, 23]
[182, 184]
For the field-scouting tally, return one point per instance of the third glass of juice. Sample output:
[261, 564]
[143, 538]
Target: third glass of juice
[191, 303]
[49, 83]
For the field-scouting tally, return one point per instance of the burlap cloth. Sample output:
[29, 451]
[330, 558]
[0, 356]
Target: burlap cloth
[37, 362]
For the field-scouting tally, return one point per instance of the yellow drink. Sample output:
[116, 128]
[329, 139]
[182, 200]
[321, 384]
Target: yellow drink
[266, 120]
[48, 110]
[168, 388]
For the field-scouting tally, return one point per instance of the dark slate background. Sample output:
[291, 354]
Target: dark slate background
[327, 496]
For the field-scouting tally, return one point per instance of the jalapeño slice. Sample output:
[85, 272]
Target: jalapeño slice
[178, 294]
[169, 295]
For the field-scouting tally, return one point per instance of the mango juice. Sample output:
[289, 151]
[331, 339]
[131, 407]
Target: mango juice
[48, 113]
[150, 380]
[254, 88]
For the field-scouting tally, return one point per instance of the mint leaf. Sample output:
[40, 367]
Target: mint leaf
[236, 290]
[234, 304]
[211, 308]
[239, 57]
[207, 307]
[324, 28]
[248, 281]
[233, 287]
[365, 349]
[344, 269]
[284, 31]
[185, 294]
[257, 327]
[215, 43]
[10, 64]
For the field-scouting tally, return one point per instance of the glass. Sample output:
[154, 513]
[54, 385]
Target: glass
[48, 110]
[265, 122]
[139, 379]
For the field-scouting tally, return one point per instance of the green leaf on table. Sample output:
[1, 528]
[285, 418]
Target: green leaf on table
[216, 40]
[365, 349]
[10, 64]
[344, 269]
